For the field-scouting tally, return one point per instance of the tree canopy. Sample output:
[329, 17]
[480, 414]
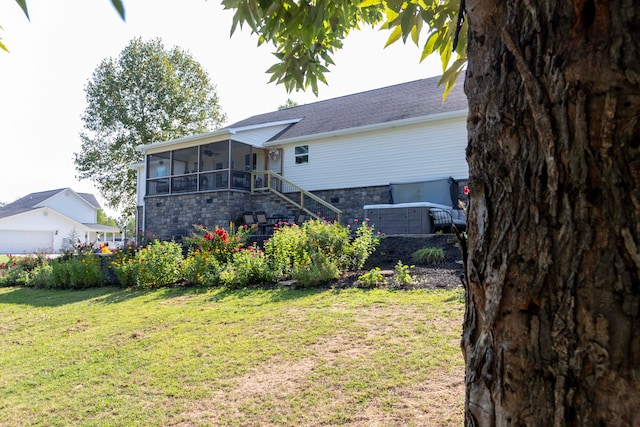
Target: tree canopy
[306, 34]
[147, 94]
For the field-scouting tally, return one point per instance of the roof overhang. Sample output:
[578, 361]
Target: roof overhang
[265, 125]
[215, 136]
[100, 228]
[372, 127]
[188, 140]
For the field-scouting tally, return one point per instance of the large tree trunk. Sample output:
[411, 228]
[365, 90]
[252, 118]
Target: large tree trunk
[552, 328]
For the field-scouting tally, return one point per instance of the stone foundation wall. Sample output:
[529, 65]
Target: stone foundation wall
[170, 217]
[351, 201]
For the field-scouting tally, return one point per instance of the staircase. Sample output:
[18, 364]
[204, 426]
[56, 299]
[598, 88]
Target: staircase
[271, 182]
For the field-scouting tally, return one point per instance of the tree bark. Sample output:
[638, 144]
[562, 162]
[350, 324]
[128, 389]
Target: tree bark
[552, 327]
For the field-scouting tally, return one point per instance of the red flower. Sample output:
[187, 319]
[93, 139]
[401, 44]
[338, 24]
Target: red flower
[209, 236]
[222, 234]
[466, 190]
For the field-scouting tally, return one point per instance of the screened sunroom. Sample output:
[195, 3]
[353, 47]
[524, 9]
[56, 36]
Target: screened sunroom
[214, 166]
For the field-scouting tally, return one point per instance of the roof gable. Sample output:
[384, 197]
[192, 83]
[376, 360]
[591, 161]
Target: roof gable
[414, 99]
[38, 200]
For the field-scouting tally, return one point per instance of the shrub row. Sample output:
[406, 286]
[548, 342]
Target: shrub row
[311, 254]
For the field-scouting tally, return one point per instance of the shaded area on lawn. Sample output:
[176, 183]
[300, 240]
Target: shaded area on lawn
[53, 297]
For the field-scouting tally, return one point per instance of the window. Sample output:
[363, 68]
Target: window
[302, 154]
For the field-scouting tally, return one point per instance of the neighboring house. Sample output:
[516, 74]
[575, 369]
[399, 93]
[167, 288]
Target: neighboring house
[349, 152]
[45, 221]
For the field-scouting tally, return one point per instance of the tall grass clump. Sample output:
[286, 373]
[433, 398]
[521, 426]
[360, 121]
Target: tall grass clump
[431, 255]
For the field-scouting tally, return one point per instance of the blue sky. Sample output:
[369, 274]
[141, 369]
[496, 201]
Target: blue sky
[52, 57]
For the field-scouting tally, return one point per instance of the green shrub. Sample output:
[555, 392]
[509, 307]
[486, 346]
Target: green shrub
[249, 266]
[318, 270]
[363, 245]
[318, 251]
[201, 268]
[430, 255]
[284, 250]
[41, 276]
[402, 274]
[371, 278]
[16, 270]
[158, 264]
[124, 267]
[77, 272]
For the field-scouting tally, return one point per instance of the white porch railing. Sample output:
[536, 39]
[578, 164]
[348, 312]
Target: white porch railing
[314, 206]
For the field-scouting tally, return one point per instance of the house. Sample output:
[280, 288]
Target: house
[328, 159]
[48, 220]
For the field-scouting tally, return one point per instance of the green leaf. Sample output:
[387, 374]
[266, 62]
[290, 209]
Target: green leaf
[2, 46]
[119, 7]
[367, 3]
[450, 76]
[23, 5]
[395, 35]
[415, 31]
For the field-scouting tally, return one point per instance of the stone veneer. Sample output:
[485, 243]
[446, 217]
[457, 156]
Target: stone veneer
[170, 217]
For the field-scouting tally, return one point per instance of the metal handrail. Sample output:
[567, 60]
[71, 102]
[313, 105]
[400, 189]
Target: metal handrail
[269, 181]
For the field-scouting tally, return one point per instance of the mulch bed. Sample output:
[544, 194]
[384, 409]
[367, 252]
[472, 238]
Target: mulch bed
[392, 249]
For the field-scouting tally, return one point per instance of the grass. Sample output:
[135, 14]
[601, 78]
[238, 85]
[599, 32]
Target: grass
[110, 357]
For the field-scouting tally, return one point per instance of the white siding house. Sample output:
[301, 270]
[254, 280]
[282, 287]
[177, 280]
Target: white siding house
[347, 151]
[420, 151]
[44, 221]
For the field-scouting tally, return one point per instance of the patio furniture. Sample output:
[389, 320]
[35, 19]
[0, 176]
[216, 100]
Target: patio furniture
[442, 220]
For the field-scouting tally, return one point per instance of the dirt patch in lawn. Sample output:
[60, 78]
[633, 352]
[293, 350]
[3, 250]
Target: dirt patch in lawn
[326, 387]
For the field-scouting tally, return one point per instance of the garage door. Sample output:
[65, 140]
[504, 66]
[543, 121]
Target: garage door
[18, 242]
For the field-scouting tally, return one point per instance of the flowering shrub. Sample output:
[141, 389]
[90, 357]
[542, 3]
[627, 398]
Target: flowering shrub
[124, 266]
[220, 242]
[316, 271]
[17, 269]
[249, 266]
[41, 276]
[313, 253]
[201, 268]
[78, 272]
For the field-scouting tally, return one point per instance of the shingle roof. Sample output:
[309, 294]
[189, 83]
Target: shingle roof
[402, 101]
[30, 201]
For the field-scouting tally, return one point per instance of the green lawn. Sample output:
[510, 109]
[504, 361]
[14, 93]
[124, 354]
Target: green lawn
[110, 357]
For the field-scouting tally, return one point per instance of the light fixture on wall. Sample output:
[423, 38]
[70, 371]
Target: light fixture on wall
[56, 233]
[274, 154]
